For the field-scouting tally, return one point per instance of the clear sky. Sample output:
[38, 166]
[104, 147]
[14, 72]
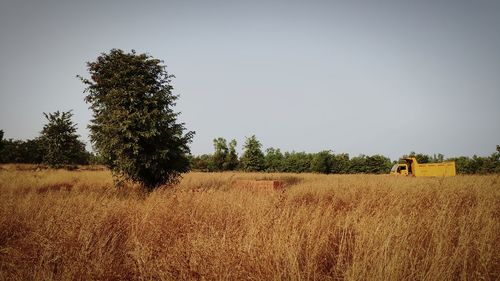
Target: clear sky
[367, 77]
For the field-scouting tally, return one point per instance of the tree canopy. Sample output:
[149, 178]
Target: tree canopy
[59, 141]
[220, 154]
[253, 157]
[231, 161]
[134, 127]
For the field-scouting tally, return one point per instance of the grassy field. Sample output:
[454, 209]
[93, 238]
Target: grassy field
[74, 225]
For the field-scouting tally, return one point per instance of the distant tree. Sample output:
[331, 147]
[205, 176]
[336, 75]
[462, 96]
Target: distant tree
[297, 162]
[477, 164]
[252, 158]
[33, 152]
[377, 164]
[322, 162]
[220, 154]
[12, 151]
[340, 163]
[225, 157]
[357, 165]
[491, 164]
[134, 127]
[201, 163]
[60, 141]
[231, 161]
[461, 164]
[95, 159]
[273, 160]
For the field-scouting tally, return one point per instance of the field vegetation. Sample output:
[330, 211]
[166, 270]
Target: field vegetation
[75, 225]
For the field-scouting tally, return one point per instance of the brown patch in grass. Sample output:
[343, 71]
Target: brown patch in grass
[259, 184]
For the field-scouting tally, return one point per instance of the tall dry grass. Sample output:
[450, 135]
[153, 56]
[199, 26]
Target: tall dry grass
[60, 225]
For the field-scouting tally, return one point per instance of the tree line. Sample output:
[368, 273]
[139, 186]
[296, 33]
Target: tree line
[254, 159]
[57, 145]
[134, 131]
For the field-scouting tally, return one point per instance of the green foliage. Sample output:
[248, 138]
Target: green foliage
[12, 151]
[134, 127]
[252, 158]
[357, 164]
[301, 162]
[35, 151]
[375, 164]
[322, 162]
[60, 142]
[224, 158]
[297, 162]
[18, 151]
[273, 160]
[421, 158]
[201, 163]
[327, 162]
[340, 164]
[496, 159]
[220, 154]
[378, 164]
[424, 158]
[95, 159]
[477, 165]
[231, 162]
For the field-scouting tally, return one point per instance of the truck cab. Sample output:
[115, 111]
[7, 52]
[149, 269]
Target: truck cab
[399, 169]
[405, 169]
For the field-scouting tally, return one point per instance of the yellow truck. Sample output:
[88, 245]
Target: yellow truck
[413, 168]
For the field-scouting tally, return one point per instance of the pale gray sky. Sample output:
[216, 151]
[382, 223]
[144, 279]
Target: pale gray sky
[366, 77]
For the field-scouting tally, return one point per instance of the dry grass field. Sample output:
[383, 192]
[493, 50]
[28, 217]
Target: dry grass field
[74, 225]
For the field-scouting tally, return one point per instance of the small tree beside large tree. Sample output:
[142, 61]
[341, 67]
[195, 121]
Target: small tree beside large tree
[60, 143]
[134, 127]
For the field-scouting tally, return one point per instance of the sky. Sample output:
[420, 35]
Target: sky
[357, 77]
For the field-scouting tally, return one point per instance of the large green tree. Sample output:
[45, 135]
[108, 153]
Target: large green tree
[61, 144]
[253, 157]
[134, 126]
